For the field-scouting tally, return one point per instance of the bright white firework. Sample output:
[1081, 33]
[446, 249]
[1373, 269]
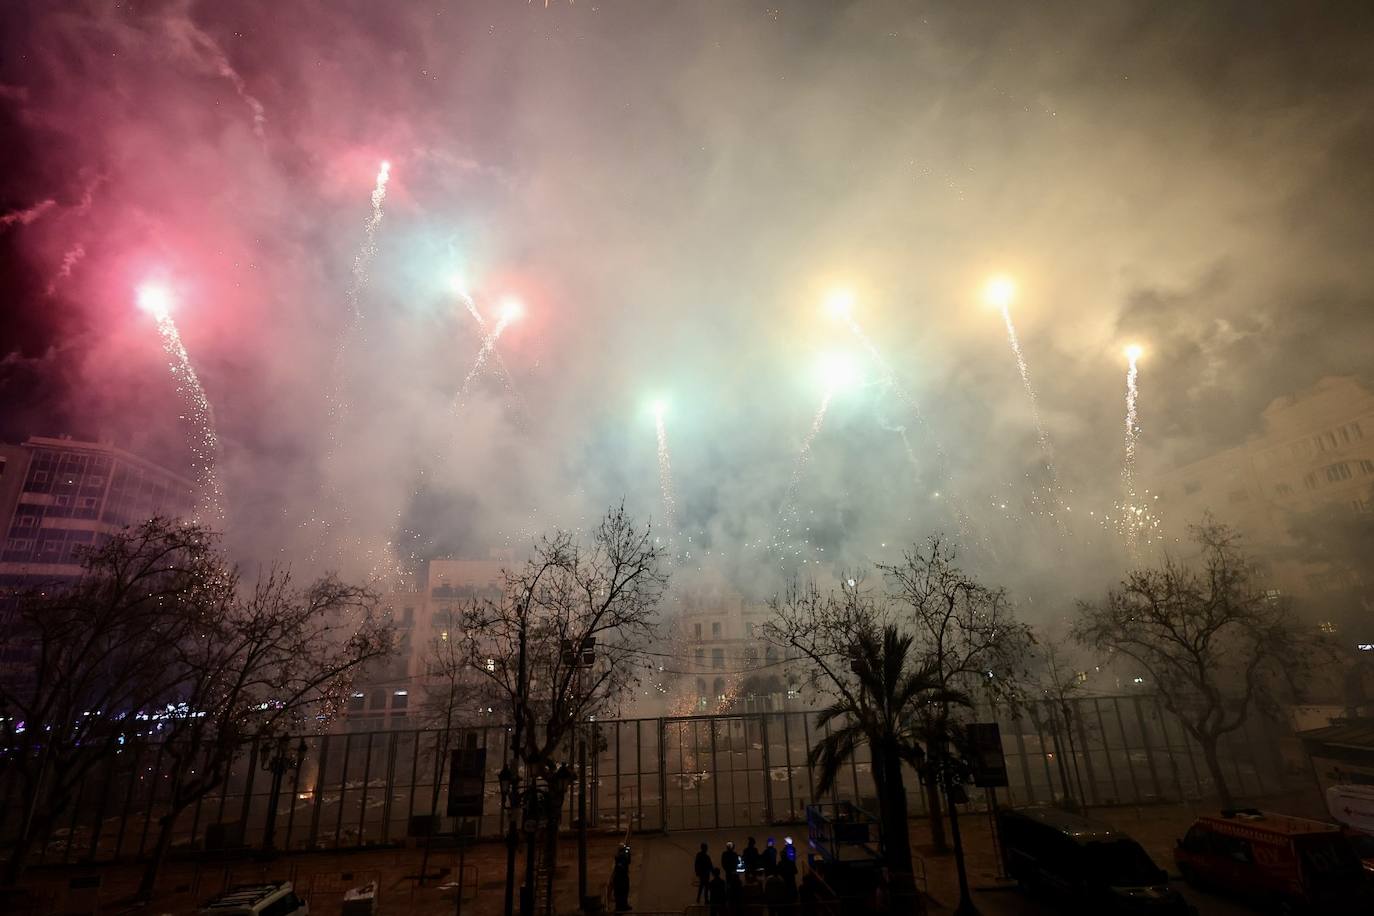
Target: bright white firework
[511, 310]
[665, 471]
[515, 309]
[999, 292]
[199, 416]
[836, 372]
[1133, 354]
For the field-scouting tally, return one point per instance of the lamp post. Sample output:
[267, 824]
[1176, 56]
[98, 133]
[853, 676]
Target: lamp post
[510, 773]
[281, 760]
[580, 656]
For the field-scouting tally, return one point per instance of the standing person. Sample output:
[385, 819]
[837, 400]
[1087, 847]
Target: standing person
[770, 855]
[620, 879]
[787, 870]
[734, 893]
[729, 860]
[715, 894]
[775, 892]
[702, 868]
[751, 858]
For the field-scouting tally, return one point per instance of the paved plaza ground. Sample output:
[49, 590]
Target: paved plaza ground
[661, 873]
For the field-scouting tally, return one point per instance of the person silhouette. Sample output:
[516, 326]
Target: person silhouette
[702, 868]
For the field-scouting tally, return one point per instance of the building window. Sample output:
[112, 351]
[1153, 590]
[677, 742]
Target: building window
[717, 658]
[355, 702]
[377, 700]
[1366, 466]
[400, 699]
[40, 476]
[1334, 472]
[701, 656]
[408, 615]
[1310, 480]
[1283, 489]
[26, 521]
[720, 688]
[698, 631]
[715, 629]
[701, 687]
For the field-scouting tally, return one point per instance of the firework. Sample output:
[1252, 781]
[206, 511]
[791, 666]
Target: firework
[511, 310]
[840, 305]
[999, 292]
[788, 518]
[515, 309]
[1133, 353]
[199, 416]
[665, 471]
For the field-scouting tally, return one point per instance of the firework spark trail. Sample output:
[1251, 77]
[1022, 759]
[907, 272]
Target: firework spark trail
[483, 354]
[788, 519]
[495, 355]
[336, 400]
[1042, 437]
[200, 416]
[665, 476]
[1132, 437]
[961, 515]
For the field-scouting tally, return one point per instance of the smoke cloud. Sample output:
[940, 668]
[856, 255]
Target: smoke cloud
[671, 189]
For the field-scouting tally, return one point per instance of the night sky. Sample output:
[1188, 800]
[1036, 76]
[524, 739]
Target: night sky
[671, 188]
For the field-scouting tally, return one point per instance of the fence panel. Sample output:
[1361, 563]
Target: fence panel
[354, 788]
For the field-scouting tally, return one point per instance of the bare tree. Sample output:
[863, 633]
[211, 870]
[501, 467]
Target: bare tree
[530, 644]
[269, 662]
[98, 651]
[1052, 682]
[853, 652]
[966, 633]
[1213, 644]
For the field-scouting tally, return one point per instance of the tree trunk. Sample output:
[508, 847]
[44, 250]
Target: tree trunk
[937, 821]
[896, 830]
[558, 795]
[164, 842]
[1209, 754]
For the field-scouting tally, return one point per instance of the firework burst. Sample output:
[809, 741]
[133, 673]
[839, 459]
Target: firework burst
[198, 415]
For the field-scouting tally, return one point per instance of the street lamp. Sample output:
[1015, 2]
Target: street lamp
[281, 760]
[580, 655]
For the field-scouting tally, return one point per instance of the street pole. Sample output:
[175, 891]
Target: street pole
[512, 837]
[965, 907]
[462, 859]
[582, 822]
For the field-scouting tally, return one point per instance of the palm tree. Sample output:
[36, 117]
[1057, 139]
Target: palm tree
[883, 711]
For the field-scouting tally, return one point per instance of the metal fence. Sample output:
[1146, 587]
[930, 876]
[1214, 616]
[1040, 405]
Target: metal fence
[697, 772]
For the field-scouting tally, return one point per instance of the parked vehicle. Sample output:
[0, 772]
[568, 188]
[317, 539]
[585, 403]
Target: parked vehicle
[276, 899]
[1289, 864]
[1089, 866]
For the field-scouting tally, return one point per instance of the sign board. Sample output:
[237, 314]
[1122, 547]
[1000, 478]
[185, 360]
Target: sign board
[467, 778]
[985, 755]
[1352, 805]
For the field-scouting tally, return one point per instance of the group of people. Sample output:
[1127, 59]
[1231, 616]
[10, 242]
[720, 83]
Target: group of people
[767, 876]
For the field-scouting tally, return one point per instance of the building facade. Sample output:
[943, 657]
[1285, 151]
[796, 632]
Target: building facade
[60, 495]
[393, 693]
[729, 666]
[1313, 459]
